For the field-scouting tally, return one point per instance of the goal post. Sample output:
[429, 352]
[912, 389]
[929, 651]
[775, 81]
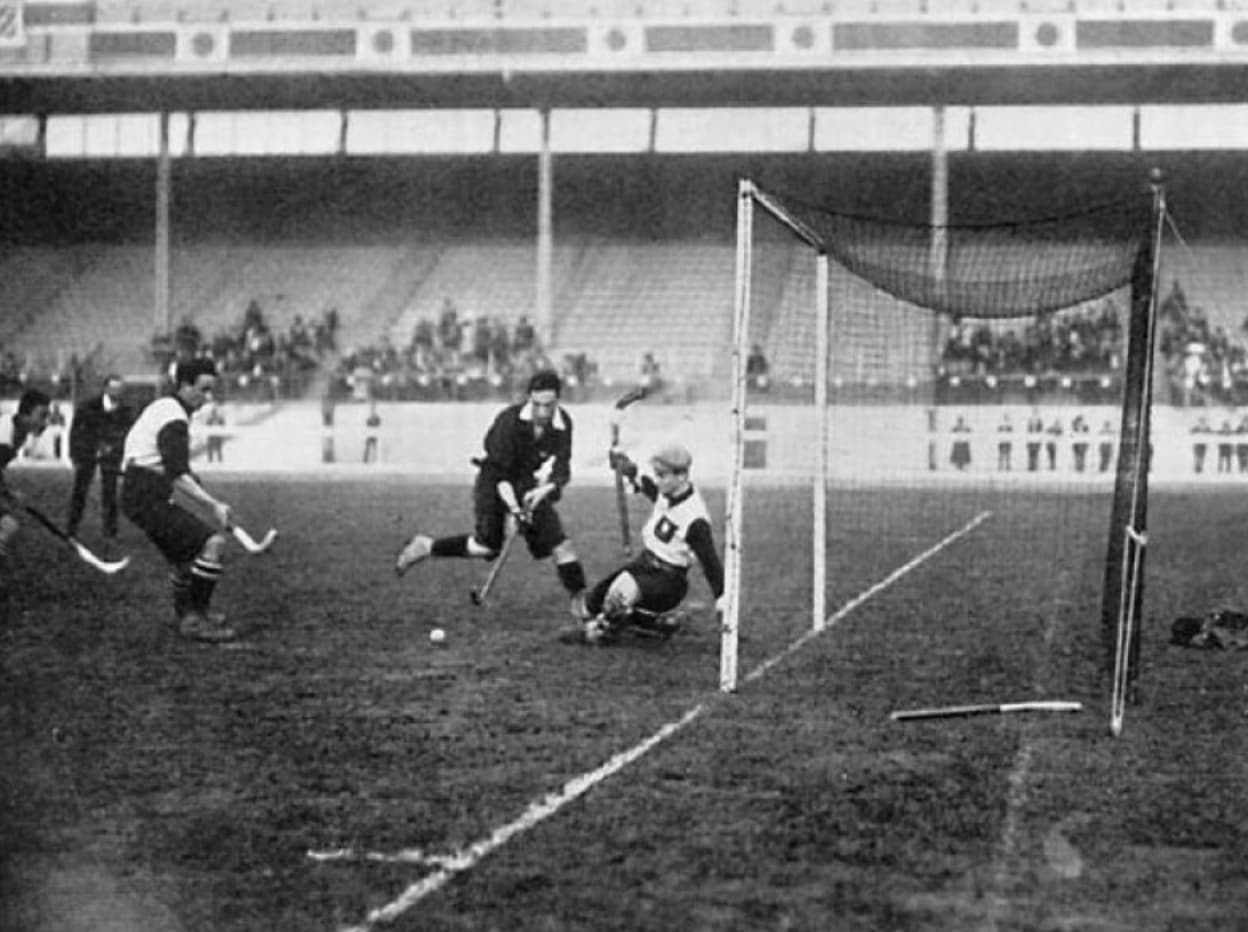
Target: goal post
[858, 310]
[748, 198]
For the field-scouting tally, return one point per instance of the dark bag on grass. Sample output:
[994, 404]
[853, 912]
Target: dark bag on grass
[1222, 629]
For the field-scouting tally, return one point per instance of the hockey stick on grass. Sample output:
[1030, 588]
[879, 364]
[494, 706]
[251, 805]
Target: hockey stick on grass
[108, 567]
[1003, 708]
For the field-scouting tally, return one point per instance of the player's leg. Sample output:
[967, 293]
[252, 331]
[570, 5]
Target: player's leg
[192, 549]
[650, 608]
[485, 541]
[108, 498]
[547, 538]
[9, 527]
[83, 471]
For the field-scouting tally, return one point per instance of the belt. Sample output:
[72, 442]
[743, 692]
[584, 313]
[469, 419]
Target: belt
[654, 561]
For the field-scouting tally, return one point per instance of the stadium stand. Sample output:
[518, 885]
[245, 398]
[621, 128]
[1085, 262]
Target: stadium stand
[627, 298]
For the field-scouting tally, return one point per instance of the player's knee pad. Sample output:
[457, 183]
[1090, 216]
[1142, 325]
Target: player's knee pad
[622, 595]
[564, 552]
[213, 550]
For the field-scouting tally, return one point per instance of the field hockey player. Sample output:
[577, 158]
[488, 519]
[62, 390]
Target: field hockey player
[527, 464]
[29, 420]
[644, 593]
[156, 463]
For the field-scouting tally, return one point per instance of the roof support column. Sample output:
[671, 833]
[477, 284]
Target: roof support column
[543, 310]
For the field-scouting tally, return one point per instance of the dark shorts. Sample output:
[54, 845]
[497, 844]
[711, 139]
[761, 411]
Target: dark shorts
[178, 534]
[662, 587]
[544, 533]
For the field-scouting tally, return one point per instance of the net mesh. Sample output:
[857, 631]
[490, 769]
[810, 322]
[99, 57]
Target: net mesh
[971, 371]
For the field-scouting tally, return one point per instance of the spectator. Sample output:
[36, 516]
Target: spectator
[651, 374]
[758, 369]
[1080, 429]
[1200, 446]
[960, 452]
[96, 439]
[215, 422]
[372, 431]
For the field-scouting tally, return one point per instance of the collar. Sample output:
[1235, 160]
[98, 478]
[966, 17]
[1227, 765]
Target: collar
[677, 499]
[557, 422]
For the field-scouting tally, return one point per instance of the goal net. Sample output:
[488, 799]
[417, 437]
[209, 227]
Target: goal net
[900, 389]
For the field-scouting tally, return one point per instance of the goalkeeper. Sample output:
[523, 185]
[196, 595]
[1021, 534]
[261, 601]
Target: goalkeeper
[643, 593]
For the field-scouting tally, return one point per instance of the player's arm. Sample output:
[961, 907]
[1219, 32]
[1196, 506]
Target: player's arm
[702, 542]
[642, 485]
[174, 443]
[7, 495]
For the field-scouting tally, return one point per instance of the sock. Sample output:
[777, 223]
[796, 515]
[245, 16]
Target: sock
[204, 576]
[454, 546]
[572, 575]
[180, 584]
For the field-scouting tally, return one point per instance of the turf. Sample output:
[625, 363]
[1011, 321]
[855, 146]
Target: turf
[152, 784]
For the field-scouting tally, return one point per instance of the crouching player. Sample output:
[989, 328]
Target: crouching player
[29, 421]
[157, 461]
[643, 593]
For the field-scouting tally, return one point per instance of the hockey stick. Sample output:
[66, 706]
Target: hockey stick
[245, 540]
[250, 544]
[1004, 708]
[621, 497]
[478, 595]
[108, 567]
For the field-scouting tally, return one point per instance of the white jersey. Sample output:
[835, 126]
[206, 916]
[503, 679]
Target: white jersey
[666, 532]
[142, 442]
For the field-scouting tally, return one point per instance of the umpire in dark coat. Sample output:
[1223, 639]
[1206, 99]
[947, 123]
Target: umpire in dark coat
[97, 436]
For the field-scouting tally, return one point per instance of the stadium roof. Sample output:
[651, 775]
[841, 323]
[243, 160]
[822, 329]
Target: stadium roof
[149, 92]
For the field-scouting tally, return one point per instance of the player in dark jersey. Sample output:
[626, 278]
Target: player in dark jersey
[97, 435]
[643, 593]
[527, 463]
[157, 460]
[29, 420]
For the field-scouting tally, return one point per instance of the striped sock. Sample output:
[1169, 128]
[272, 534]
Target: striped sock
[204, 576]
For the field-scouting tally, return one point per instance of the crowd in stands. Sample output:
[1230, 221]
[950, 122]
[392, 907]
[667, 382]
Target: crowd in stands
[455, 358]
[255, 360]
[1204, 364]
[1084, 342]
[63, 381]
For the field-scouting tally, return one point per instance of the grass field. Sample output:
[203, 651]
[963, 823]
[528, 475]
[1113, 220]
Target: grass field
[336, 770]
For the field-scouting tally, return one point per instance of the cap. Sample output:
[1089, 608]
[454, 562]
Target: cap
[672, 456]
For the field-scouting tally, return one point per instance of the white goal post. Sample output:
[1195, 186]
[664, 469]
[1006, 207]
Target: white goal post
[749, 199]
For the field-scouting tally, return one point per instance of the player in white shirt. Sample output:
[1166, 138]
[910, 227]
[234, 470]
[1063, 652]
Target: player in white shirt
[29, 421]
[642, 593]
[157, 460]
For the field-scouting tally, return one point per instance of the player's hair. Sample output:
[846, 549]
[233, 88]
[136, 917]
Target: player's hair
[546, 381]
[186, 372]
[32, 398]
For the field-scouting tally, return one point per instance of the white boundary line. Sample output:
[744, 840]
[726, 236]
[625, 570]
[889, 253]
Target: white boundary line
[578, 786]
